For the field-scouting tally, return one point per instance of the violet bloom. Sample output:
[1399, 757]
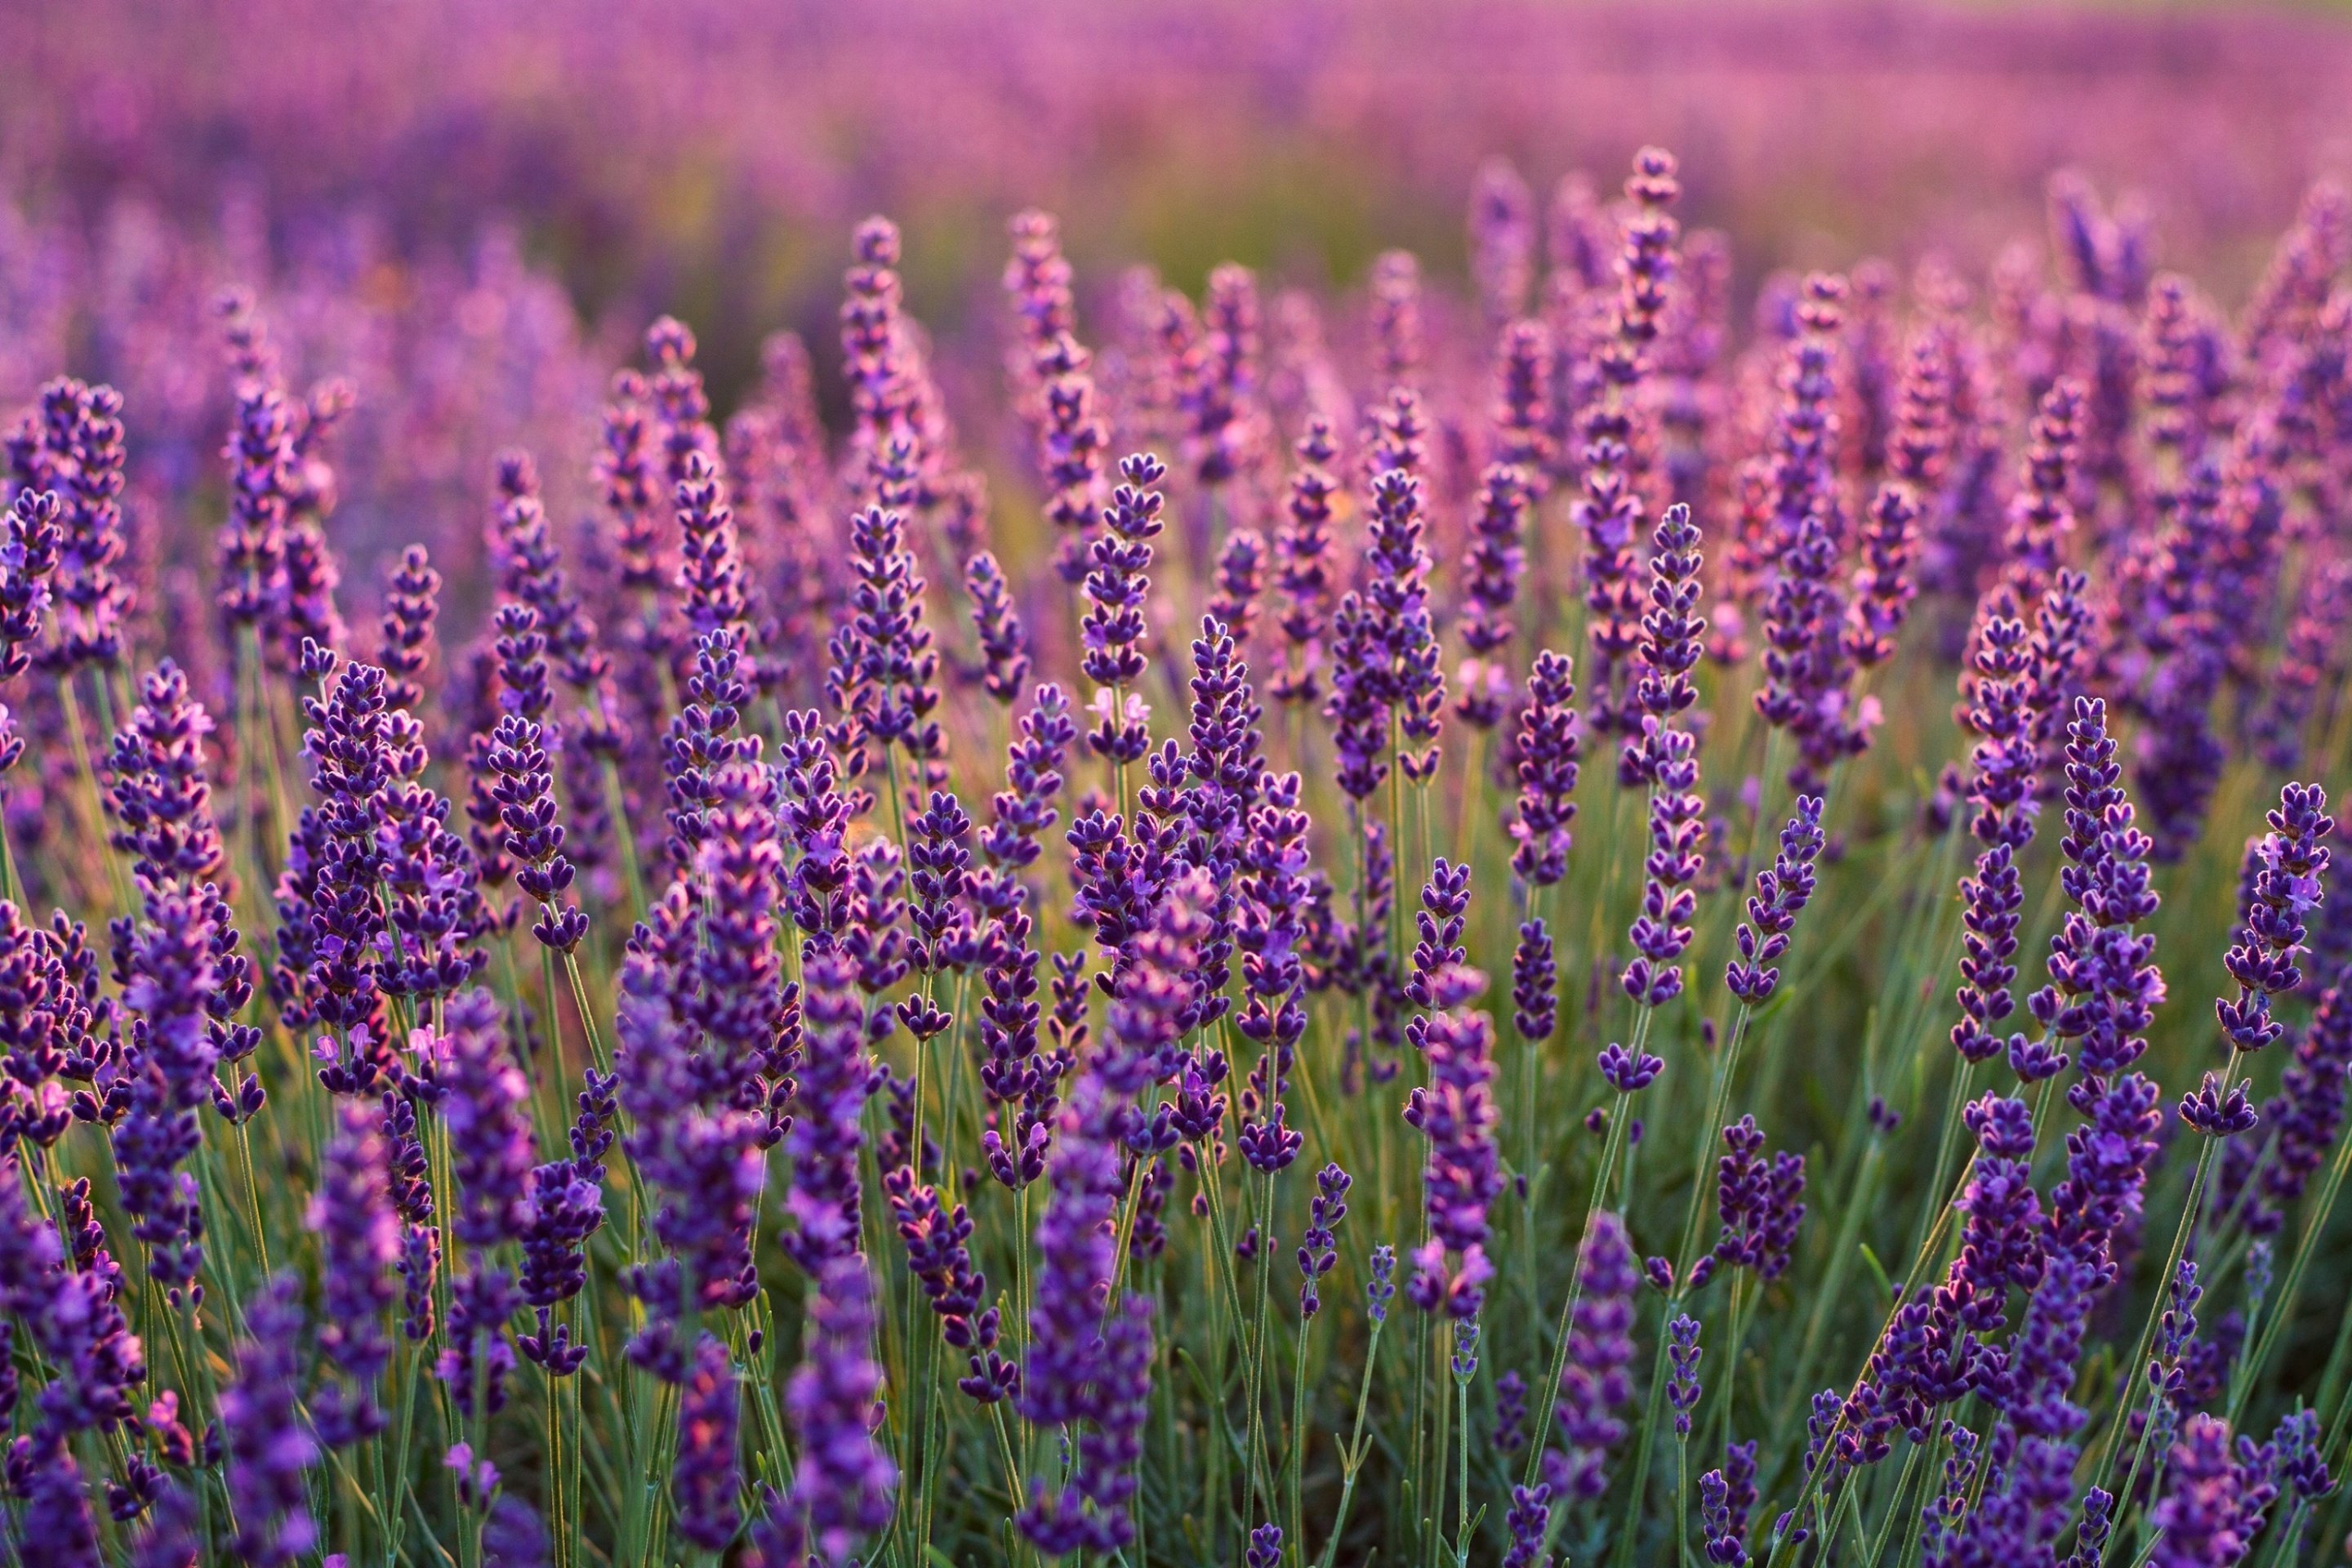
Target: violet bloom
[1547, 768]
[269, 1449]
[2198, 1517]
[1662, 932]
[525, 794]
[834, 1083]
[2308, 1110]
[1081, 1369]
[358, 1242]
[2103, 988]
[845, 1486]
[412, 604]
[1594, 1380]
[28, 558]
[1493, 561]
[1608, 513]
[172, 973]
[1462, 1174]
[883, 663]
[1272, 892]
[1781, 892]
[2285, 888]
[704, 1479]
[1241, 577]
[483, 1103]
[1672, 636]
[1003, 644]
[1883, 584]
[1319, 1249]
[1681, 1388]
[1117, 589]
[1760, 1202]
[1535, 983]
[2307, 662]
[2042, 513]
[72, 445]
[1529, 1522]
[1302, 547]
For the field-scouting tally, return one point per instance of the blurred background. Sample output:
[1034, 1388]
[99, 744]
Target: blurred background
[471, 207]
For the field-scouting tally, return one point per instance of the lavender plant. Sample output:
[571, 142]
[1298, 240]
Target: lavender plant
[834, 1096]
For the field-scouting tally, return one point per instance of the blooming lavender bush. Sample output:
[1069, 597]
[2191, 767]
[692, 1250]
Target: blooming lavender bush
[807, 988]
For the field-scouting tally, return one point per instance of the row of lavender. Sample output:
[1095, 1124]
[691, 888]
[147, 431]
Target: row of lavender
[649, 994]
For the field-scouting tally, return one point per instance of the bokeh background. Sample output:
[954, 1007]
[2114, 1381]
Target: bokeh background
[471, 207]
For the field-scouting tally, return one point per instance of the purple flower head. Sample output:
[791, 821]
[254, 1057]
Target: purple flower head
[2198, 1516]
[482, 1105]
[1594, 1380]
[1535, 983]
[1677, 831]
[1529, 1522]
[2103, 988]
[1003, 644]
[704, 1479]
[2286, 888]
[359, 1242]
[1629, 1072]
[1547, 767]
[1461, 1173]
[1493, 563]
[1117, 589]
[29, 559]
[845, 1486]
[1760, 1202]
[269, 1447]
[1381, 1289]
[1781, 892]
[1302, 547]
[1683, 1350]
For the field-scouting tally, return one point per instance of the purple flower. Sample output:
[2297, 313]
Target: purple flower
[1662, 931]
[482, 1104]
[2198, 1519]
[1673, 634]
[1117, 589]
[71, 446]
[1241, 577]
[1301, 548]
[1003, 644]
[1882, 585]
[1609, 510]
[28, 558]
[1492, 562]
[1081, 1368]
[1760, 1204]
[2286, 887]
[476, 1351]
[1319, 1249]
[2307, 660]
[1547, 768]
[845, 1486]
[883, 663]
[1594, 1380]
[1781, 892]
[1529, 1522]
[1462, 1174]
[359, 1241]
[1535, 983]
[834, 1083]
[1681, 1388]
[2042, 513]
[703, 1477]
[270, 1450]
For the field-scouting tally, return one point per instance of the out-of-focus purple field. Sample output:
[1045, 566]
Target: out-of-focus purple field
[401, 182]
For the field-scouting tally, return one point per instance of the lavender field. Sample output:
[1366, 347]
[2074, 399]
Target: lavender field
[1233, 788]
